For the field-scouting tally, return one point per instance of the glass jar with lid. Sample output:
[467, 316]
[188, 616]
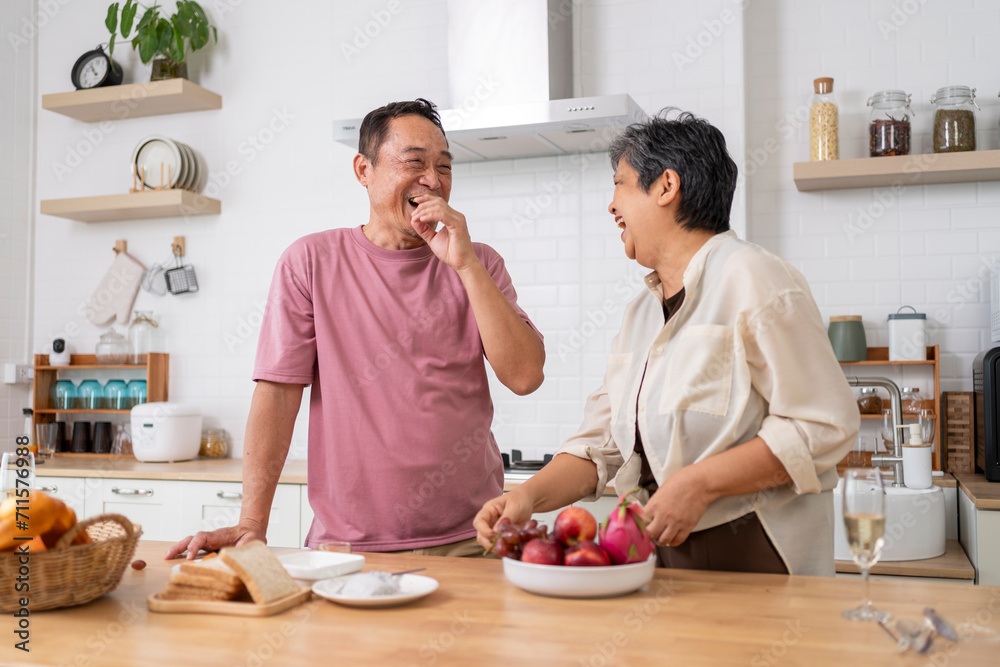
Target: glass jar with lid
[213, 444]
[889, 123]
[912, 401]
[954, 119]
[869, 403]
[823, 134]
[140, 336]
[112, 348]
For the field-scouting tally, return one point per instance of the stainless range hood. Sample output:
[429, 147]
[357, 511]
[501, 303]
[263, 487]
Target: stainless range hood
[506, 61]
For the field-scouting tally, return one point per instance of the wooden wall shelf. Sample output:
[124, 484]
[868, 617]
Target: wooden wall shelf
[156, 373]
[135, 100]
[875, 172]
[132, 206]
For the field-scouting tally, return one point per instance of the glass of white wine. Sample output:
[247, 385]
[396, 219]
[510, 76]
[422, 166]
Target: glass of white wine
[864, 519]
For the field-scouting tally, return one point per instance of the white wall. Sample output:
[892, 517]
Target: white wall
[276, 67]
[869, 251]
[18, 28]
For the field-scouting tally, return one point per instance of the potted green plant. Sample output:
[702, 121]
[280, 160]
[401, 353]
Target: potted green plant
[159, 37]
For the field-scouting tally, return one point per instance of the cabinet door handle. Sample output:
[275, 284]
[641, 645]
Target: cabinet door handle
[230, 495]
[49, 489]
[132, 492]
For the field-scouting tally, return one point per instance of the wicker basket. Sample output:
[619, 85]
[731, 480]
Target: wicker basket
[65, 576]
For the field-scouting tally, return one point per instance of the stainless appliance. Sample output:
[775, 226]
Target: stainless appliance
[986, 383]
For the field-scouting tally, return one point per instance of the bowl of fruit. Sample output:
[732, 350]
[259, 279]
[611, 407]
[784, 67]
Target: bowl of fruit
[569, 562]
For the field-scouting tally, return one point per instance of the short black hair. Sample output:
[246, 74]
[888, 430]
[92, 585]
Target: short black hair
[696, 150]
[375, 126]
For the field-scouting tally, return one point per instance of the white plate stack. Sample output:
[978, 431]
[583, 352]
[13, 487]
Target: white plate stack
[181, 167]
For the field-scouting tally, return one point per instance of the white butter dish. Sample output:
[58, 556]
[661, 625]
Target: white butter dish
[315, 565]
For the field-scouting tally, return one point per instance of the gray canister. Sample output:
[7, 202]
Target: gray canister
[847, 336]
[907, 335]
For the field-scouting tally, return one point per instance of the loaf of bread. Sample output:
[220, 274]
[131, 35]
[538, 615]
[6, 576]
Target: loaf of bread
[261, 571]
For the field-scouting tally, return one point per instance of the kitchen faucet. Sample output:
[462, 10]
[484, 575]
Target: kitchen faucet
[894, 460]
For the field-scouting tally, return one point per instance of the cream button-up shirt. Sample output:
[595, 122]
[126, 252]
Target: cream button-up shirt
[745, 355]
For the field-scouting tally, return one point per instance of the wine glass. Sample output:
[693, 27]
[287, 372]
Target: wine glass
[864, 519]
[17, 471]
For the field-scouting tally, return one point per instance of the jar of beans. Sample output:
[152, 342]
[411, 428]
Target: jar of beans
[889, 123]
[869, 403]
[954, 119]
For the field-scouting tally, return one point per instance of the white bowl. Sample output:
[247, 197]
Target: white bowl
[316, 565]
[566, 581]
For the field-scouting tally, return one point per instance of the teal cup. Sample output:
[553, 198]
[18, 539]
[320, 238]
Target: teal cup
[847, 336]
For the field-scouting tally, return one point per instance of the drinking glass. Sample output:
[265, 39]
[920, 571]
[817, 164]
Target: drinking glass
[136, 393]
[63, 395]
[122, 443]
[927, 426]
[90, 395]
[888, 430]
[17, 471]
[46, 438]
[341, 547]
[864, 520]
[115, 397]
[856, 457]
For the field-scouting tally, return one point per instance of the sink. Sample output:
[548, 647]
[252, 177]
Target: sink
[914, 524]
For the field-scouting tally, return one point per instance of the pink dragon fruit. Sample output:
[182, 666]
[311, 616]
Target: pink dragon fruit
[623, 534]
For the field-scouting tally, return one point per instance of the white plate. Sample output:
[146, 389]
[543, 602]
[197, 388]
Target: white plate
[151, 152]
[315, 565]
[201, 171]
[579, 582]
[191, 174]
[411, 587]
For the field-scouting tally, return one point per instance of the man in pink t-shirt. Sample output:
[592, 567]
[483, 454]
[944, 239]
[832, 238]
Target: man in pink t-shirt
[390, 322]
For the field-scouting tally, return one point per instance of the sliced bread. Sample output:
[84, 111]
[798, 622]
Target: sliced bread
[261, 571]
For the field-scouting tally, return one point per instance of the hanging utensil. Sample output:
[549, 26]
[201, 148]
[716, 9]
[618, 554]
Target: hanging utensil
[181, 279]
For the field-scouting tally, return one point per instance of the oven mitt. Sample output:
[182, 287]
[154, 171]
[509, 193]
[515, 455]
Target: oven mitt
[116, 293]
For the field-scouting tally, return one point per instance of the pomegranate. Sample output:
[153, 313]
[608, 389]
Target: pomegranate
[623, 534]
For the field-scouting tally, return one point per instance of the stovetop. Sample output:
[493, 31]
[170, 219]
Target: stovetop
[514, 462]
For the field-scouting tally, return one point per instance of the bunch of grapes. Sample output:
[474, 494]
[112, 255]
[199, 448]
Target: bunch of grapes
[508, 538]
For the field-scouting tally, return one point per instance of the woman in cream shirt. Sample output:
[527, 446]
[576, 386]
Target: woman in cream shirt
[722, 397]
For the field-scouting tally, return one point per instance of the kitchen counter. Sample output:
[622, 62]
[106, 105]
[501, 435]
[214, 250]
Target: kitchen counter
[477, 618]
[199, 470]
[953, 564]
[985, 495]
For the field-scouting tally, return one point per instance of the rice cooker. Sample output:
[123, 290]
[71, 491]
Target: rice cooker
[165, 432]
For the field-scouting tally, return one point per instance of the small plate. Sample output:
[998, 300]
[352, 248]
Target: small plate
[315, 565]
[411, 587]
[191, 174]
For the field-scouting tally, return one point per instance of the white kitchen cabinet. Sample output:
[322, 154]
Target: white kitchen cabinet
[980, 535]
[211, 505]
[71, 490]
[155, 504]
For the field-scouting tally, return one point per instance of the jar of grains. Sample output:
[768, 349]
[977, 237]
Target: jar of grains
[889, 123]
[869, 403]
[823, 140]
[954, 119]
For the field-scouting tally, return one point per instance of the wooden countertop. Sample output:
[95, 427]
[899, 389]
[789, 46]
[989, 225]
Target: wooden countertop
[477, 618]
[985, 495]
[954, 564]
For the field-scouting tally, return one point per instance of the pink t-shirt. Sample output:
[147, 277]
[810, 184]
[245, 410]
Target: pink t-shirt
[401, 455]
